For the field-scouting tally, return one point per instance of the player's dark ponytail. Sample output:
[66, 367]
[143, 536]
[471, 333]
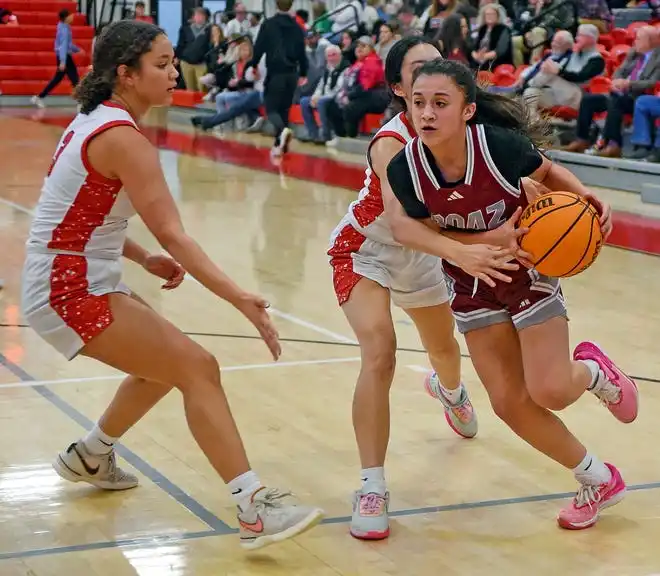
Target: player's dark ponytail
[121, 43]
[394, 63]
[493, 109]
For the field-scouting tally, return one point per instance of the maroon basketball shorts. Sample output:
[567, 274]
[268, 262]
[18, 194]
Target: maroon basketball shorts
[529, 299]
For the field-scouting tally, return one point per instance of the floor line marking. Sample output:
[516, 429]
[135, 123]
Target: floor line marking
[160, 540]
[119, 376]
[183, 498]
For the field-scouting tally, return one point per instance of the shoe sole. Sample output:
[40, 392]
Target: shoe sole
[372, 535]
[307, 523]
[63, 472]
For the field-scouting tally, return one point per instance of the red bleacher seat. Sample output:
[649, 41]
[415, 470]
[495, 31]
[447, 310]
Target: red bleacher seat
[187, 98]
[600, 85]
[27, 57]
[563, 112]
[619, 36]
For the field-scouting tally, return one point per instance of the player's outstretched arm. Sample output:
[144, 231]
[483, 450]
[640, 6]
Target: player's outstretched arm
[122, 152]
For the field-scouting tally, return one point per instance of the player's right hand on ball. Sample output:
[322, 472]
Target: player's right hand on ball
[486, 262]
[255, 310]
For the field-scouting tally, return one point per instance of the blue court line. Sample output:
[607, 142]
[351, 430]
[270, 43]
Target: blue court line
[131, 457]
[156, 541]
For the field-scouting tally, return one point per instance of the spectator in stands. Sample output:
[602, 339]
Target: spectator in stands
[192, 47]
[326, 90]
[557, 80]
[645, 118]
[492, 46]
[7, 17]
[432, 18]
[217, 74]
[345, 19]
[388, 36]
[555, 15]
[64, 50]
[322, 25]
[254, 20]
[282, 41]
[347, 46]
[239, 25]
[638, 73]
[139, 13]
[595, 12]
[363, 92]
[244, 94]
[315, 49]
[453, 39]
[371, 17]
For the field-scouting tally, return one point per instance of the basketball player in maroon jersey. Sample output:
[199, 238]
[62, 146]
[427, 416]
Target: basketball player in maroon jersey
[517, 332]
[370, 269]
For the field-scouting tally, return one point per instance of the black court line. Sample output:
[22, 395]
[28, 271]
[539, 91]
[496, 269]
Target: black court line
[311, 341]
[131, 457]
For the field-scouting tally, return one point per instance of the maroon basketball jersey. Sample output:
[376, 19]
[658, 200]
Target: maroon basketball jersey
[483, 200]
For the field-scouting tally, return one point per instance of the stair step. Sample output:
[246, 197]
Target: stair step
[38, 59]
[43, 31]
[32, 87]
[37, 44]
[53, 6]
[48, 18]
[43, 73]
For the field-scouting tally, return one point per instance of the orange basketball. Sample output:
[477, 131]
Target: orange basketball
[564, 235]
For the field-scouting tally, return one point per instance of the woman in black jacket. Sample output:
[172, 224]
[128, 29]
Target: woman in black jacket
[493, 44]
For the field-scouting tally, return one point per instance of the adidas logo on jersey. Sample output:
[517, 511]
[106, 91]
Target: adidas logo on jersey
[524, 303]
[454, 196]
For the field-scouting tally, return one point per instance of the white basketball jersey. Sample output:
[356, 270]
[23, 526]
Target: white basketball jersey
[80, 210]
[366, 213]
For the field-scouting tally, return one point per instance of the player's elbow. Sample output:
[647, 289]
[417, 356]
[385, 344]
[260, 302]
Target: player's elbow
[170, 236]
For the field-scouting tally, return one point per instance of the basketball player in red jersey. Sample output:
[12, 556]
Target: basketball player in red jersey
[369, 270]
[103, 172]
[517, 332]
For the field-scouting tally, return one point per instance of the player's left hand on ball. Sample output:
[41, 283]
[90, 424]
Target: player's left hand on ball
[166, 268]
[605, 211]
[510, 238]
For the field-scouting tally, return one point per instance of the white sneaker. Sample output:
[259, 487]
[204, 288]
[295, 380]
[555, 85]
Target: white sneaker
[76, 464]
[273, 517]
[285, 140]
[38, 102]
[370, 520]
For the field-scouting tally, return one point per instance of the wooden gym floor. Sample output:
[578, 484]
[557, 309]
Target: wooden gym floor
[484, 506]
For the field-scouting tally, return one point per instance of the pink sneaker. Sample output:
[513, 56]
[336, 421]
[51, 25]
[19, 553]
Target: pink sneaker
[585, 508]
[619, 393]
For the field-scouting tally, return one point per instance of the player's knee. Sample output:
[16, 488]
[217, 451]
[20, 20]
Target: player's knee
[509, 405]
[204, 370]
[551, 397]
[379, 352]
[444, 350]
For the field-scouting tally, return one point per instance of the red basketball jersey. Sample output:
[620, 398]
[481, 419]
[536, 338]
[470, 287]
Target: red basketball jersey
[483, 200]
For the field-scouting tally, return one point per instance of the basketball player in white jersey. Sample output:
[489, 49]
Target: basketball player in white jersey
[370, 269]
[103, 172]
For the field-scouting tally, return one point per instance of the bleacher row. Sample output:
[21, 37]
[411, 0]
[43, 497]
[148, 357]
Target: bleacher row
[613, 46]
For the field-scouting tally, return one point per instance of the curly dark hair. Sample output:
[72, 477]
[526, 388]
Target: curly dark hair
[120, 43]
[493, 109]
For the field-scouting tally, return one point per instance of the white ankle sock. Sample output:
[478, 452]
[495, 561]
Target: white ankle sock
[592, 471]
[242, 487]
[453, 395]
[98, 443]
[376, 475]
[596, 380]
